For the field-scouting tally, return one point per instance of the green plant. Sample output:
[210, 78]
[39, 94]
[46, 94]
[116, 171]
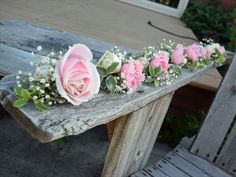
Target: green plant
[175, 128]
[210, 20]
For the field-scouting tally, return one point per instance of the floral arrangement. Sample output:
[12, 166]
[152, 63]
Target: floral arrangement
[72, 77]
[119, 72]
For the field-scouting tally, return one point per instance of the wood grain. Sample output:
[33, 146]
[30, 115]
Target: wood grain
[227, 156]
[33, 35]
[133, 138]
[219, 118]
[12, 60]
[110, 129]
[180, 162]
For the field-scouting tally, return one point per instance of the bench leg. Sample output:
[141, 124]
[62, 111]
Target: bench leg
[133, 138]
[110, 129]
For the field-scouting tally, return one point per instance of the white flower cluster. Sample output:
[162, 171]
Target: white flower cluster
[167, 45]
[148, 52]
[41, 84]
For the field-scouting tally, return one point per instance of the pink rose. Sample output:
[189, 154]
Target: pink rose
[133, 74]
[160, 60]
[193, 52]
[177, 56]
[77, 79]
[206, 52]
[222, 49]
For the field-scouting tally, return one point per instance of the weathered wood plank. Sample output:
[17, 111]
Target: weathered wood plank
[180, 162]
[170, 169]
[110, 129]
[203, 164]
[219, 118]
[151, 171]
[133, 138]
[150, 132]
[227, 156]
[12, 60]
[33, 35]
[63, 120]
[184, 165]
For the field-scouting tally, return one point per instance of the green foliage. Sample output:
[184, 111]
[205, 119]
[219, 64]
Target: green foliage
[219, 59]
[39, 105]
[108, 79]
[112, 68]
[60, 143]
[210, 20]
[111, 83]
[195, 65]
[102, 72]
[26, 95]
[20, 102]
[175, 128]
[152, 75]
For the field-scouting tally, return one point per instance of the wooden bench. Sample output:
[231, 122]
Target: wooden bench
[215, 145]
[135, 118]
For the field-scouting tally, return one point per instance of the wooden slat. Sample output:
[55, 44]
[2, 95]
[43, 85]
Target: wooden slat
[12, 60]
[179, 163]
[32, 35]
[110, 129]
[170, 169]
[227, 156]
[154, 171]
[184, 165]
[63, 120]
[219, 118]
[203, 164]
[134, 137]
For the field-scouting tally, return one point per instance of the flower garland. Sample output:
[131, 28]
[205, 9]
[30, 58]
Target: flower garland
[73, 78]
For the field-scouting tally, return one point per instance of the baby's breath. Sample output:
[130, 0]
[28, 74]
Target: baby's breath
[41, 85]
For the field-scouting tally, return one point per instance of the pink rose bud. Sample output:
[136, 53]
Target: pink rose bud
[177, 56]
[133, 74]
[77, 79]
[160, 59]
[206, 52]
[193, 52]
[222, 49]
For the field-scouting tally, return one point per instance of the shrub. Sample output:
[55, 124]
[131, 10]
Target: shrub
[210, 20]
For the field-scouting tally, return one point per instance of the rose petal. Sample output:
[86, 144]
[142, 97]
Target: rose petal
[79, 51]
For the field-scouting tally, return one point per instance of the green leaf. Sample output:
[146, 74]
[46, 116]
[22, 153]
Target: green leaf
[158, 71]
[156, 83]
[20, 102]
[25, 93]
[111, 83]
[102, 72]
[151, 71]
[112, 68]
[103, 84]
[146, 70]
[39, 105]
[17, 90]
[200, 65]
